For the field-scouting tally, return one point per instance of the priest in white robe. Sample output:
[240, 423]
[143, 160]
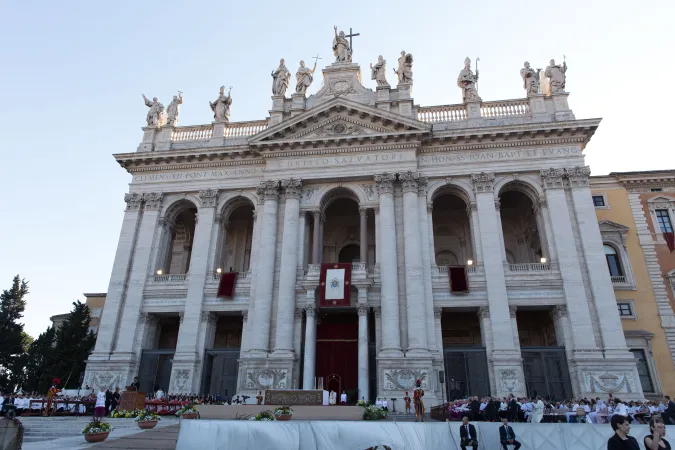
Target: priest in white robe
[332, 398]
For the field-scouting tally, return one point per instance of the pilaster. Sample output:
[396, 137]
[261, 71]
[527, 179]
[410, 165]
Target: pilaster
[309, 367]
[363, 379]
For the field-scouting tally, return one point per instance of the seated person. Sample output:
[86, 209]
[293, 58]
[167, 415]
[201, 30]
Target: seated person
[507, 436]
[621, 440]
[467, 434]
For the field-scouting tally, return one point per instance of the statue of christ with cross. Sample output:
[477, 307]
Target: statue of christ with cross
[341, 48]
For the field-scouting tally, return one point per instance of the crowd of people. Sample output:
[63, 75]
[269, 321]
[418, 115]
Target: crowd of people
[33, 403]
[536, 410]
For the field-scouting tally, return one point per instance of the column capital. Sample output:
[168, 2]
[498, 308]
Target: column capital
[268, 190]
[512, 311]
[422, 183]
[498, 203]
[438, 311]
[409, 181]
[153, 200]
[482, 182]
[578, 176]
[292, 187]
[472, 207]
[166, 224]
[180, 316]
[552, 178]
[310, 310]
[430, 208]
[225, 223]
[377, 311]
[483, 312]
[558, 312]
[133, 201]
[244, 315]
[376, 209]
[363, 211]
[385, 183]
[255, 215]
[208, 197]
[362, 310]
[298, 313]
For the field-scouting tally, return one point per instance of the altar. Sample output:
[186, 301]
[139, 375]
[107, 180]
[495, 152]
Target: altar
[296, 397]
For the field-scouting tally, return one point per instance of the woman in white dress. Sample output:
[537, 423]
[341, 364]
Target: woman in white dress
[537, 411]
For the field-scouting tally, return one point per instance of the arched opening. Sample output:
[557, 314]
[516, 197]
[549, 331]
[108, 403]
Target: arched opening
[349, 253]
[520, 227]
[613, 261]
[177, 238]
[341, 226]
[235, 238]
[452, 230]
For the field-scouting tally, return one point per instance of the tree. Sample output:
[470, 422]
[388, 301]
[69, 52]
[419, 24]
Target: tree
[38, 362]
[74, 343]
[12, 306]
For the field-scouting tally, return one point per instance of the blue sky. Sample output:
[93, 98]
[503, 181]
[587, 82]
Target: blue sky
[73, 73]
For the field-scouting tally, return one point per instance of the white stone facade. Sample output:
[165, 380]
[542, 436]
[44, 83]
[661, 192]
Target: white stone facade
[393, 159]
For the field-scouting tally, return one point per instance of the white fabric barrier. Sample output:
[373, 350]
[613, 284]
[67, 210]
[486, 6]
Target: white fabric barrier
[343, 435]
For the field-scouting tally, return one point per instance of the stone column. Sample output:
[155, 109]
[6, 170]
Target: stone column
[426, 262]
[301, 241]
[568, 258]
[268, 190]
[377, 313]
[243, 348]
[514, 325]
[255, 246]
[564, 338]
[363, 352]
[472, 211]
[414, 282]
[219, 251]
[611, 329]
[310, 348]
[430, 227]
[507, 364]
[297, 344]
[438, 328]
[377, 239]
[501, 229]
[363, 245]
[110, 316]
[322, 220]
[207, 333]
[164, 250]
[315, 237]
[391, 334]
[188, 347]
[283, 342]
[486, 337]
[140, 270]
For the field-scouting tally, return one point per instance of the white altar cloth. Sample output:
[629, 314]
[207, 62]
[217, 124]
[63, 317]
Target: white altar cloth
[344, 435]
[325, 398]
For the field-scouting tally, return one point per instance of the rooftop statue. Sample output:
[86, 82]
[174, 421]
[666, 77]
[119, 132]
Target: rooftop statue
[173, 110]
[530, 79]
[304, 77]
[341, 47]
[466, 81]
[377, 72]
[221, 107]
[282, 78]
[404, 71]
[556, 77]
[155, 117]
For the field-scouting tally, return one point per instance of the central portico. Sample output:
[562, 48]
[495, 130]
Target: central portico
[403, 193]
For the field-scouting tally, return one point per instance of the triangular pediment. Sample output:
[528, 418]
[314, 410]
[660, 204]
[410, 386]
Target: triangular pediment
[340, 118]
[608, 225]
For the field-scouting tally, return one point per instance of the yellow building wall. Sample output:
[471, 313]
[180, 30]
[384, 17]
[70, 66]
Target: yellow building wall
[645, 304]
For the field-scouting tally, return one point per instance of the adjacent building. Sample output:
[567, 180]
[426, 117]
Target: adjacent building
[95, 303]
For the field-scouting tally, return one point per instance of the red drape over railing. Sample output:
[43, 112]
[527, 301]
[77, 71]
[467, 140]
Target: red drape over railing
[458, 280]
[226, 285]
[346, 285]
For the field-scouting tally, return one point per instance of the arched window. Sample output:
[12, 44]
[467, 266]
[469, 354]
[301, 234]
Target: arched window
[613, 261]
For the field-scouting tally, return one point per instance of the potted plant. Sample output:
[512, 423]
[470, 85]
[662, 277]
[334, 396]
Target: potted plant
[147, 419]
[372, 412]
[188, 412]
[283, 413]
[97, 430]
[264, 416]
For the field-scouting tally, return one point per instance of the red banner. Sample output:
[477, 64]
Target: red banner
[458, 279]
[226, 286]
[336, 278]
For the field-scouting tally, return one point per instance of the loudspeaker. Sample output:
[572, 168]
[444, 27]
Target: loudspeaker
[441, 376]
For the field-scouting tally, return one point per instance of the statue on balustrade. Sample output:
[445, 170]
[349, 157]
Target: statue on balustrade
[304, 77]
[404, 71]
[556, 77]
[341, 48]
[466, 81]
[530, 79]
[155, 117]
[221, 107]
[377, 72]
[281, 79]
[173, 109]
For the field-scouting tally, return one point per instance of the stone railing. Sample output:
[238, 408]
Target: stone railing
[359, 266]
[445, 113]
[444, 269]
[240, 276]
[196, 133]
[244, 129]
[171, 278]
[506, 108]
[529, 267]
[618, 279]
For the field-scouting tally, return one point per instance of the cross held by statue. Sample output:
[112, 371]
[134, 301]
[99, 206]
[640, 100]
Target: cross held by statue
[350, 35]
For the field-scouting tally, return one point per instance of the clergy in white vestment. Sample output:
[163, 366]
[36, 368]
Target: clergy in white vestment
[332, 398]
[159, 395]
[343, 398]
[537, 411]
[378, 402]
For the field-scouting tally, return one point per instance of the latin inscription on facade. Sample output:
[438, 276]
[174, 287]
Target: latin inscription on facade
[497, 155]
[349, 160]
[214, 174]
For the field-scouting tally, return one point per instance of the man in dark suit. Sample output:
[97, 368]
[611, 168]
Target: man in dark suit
[507, 436]
[491, 410]
[467, 435]
[475, 409]
[512, 409]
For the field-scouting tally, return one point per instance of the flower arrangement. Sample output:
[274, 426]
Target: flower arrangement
[362, 403]
[144, 415]
[264, 416]
[97, 426]
[282, 411]
[126, 414]
[374, 413]
[187, 409]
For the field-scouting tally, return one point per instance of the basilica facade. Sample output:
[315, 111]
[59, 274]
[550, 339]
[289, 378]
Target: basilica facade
[495, 191]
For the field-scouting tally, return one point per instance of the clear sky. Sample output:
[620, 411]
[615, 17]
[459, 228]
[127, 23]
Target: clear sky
[72, 74]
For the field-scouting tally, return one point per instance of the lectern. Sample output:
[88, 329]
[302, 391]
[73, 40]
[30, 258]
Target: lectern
[132, 399]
